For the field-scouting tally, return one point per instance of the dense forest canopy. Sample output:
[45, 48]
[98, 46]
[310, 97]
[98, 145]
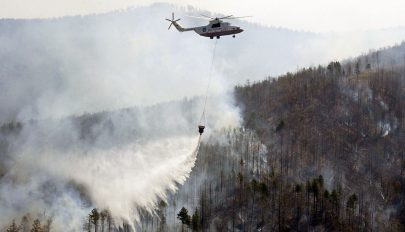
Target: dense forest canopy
[319, 149]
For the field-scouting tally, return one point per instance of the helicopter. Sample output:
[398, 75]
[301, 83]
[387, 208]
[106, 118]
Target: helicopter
[215, 28]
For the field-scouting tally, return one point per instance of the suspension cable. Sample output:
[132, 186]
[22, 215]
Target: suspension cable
[203, 119]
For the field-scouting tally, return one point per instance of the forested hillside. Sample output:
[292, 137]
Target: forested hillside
[344, 122]
[321, 149]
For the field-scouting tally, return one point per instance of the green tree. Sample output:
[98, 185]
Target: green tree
[351, 207]
[335, 200]
[184, 217]
[263, 189]
[280, 125]
[195, 221]
[298, 188]
[321, 181]
[326, 194]
[352, 202]
[94, 217]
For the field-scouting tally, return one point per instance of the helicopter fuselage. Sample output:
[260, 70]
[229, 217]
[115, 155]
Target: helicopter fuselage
[216, 28]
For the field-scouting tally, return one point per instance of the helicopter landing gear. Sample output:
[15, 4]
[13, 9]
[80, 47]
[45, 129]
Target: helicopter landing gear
[233, 36]
[218, 37]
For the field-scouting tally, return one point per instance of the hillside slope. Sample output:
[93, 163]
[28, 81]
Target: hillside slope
[344, 122]
[321, 149]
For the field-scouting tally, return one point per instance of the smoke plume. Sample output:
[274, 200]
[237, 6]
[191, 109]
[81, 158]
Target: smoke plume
[107, 110]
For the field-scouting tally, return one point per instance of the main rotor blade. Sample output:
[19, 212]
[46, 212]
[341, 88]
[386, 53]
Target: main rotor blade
[169, 20]
[225, 17]
[170, 26]
[207, 16]
[197, 17]
[239, 17]
[172, 15]
[176, 20]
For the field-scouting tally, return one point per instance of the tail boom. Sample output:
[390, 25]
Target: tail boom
[180, 28]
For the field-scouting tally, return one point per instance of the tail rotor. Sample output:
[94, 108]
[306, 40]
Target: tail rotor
[172, 21]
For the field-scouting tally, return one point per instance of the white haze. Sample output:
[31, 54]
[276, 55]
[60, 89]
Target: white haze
[48, 67]
[61, 166]
[312, 15]
[124, 159]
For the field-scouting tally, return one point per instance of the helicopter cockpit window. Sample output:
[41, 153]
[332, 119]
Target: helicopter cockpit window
[215, 25]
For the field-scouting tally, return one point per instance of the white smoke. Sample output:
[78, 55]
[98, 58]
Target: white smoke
[123, 158]
[122, 161]
[49, 67]
[62, 166]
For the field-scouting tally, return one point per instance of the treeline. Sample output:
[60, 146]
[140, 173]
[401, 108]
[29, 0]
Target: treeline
[27, 224]
[101, 221]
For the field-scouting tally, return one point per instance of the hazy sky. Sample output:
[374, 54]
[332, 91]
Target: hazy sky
[312, 15]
